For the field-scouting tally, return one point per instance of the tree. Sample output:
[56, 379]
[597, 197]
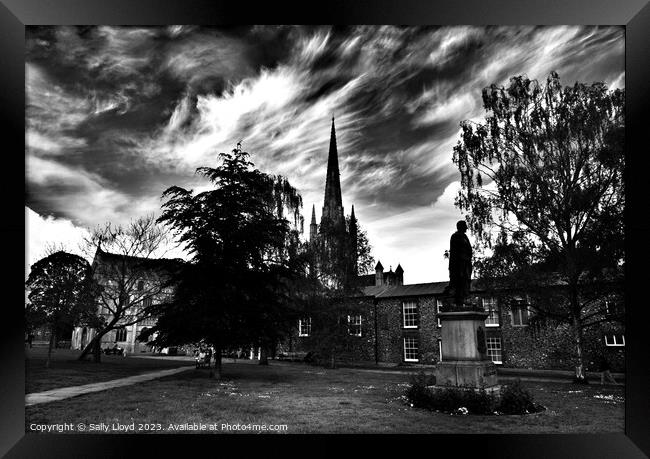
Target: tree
[362, 248]
[333, 315]
[61, 292]
[341, 254]
[244, 251]
[132, 277]
[542, 184]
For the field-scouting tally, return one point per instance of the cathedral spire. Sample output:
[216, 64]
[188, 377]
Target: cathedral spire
[333, 204]
[313, 227]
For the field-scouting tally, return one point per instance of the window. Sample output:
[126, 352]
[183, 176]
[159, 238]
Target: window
[440, 349]
[354, 325]
[438, 306]
[147, 302]
[304, 327]
[409, 314]
[614, 340]
[148, 321]
[490, 306]
[140, 285]
[120, 334]
[125, 300]
[613, 308]
[520, 314]
[494, 349]
[410, 349]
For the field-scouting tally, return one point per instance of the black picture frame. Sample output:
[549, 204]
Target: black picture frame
[634, 14]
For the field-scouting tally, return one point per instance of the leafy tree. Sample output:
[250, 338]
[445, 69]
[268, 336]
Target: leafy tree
[329, 299]
[364, 258]
[542, 184]
[244, 252]
[61, 292]
[330, 311]
[339, 257]
[132, 277]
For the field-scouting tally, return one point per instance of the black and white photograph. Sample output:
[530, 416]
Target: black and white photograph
[325, 229]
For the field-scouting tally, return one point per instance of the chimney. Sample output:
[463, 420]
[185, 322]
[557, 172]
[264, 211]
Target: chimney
[399, 274]
[379, 274]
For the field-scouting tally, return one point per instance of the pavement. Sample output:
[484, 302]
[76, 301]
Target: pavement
[74, 391]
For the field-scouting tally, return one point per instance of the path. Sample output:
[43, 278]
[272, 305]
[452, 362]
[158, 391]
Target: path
[67, 392]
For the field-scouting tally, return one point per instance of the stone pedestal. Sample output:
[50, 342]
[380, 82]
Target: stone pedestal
[464, 360]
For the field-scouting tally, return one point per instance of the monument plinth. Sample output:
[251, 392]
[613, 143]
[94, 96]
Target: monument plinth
[465, 363]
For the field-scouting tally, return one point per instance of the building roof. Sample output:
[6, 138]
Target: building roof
[366, 280]
[398, 291]
[137, 262]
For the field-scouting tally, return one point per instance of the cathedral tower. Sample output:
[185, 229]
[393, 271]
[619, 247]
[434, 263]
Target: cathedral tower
[333, 203]
[334, 241]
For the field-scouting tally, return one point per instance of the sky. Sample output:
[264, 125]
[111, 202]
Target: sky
[115, 115]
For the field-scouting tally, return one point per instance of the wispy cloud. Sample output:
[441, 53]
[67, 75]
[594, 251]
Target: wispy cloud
[117, 114]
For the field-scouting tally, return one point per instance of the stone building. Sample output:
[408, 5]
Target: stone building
[138, 283]
[333, 242]
[399, 324]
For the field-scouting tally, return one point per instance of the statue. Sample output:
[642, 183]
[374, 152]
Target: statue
[460, 265]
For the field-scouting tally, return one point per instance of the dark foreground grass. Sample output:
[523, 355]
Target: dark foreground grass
[66, 371]
[313, 400]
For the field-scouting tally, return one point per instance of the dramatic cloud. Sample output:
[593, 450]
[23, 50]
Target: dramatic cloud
[115, 115]
[46, 232]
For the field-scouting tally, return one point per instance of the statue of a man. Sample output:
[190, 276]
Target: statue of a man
[460, 264]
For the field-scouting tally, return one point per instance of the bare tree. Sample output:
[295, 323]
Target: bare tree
[131, 274]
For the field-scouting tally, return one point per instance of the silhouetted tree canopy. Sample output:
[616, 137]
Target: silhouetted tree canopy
[61, 291]
[243, 238]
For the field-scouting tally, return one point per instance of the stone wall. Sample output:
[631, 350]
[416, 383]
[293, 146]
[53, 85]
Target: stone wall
[391, 332]
[551, 346]
[536, 347]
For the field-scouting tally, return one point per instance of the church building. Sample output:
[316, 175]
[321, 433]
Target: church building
[399, 323]
[333, 242]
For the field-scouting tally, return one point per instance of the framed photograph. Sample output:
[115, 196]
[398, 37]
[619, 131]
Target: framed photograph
[429, 216]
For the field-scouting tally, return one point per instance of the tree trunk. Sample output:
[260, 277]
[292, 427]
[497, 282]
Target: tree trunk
[264, 357]
[96, 341]
[577, 339]
[217, 364]
[332, 359]
[49, 349]
[97, 352]
[577, 332]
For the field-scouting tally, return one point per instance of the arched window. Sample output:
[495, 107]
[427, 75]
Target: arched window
[120, 334]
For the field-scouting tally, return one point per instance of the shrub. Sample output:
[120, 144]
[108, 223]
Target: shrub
[516, 400]
[447, 400]
[480, 402]
[418, 393]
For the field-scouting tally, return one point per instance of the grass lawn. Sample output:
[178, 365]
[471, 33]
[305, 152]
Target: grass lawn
[66, 371]
[315, 400]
